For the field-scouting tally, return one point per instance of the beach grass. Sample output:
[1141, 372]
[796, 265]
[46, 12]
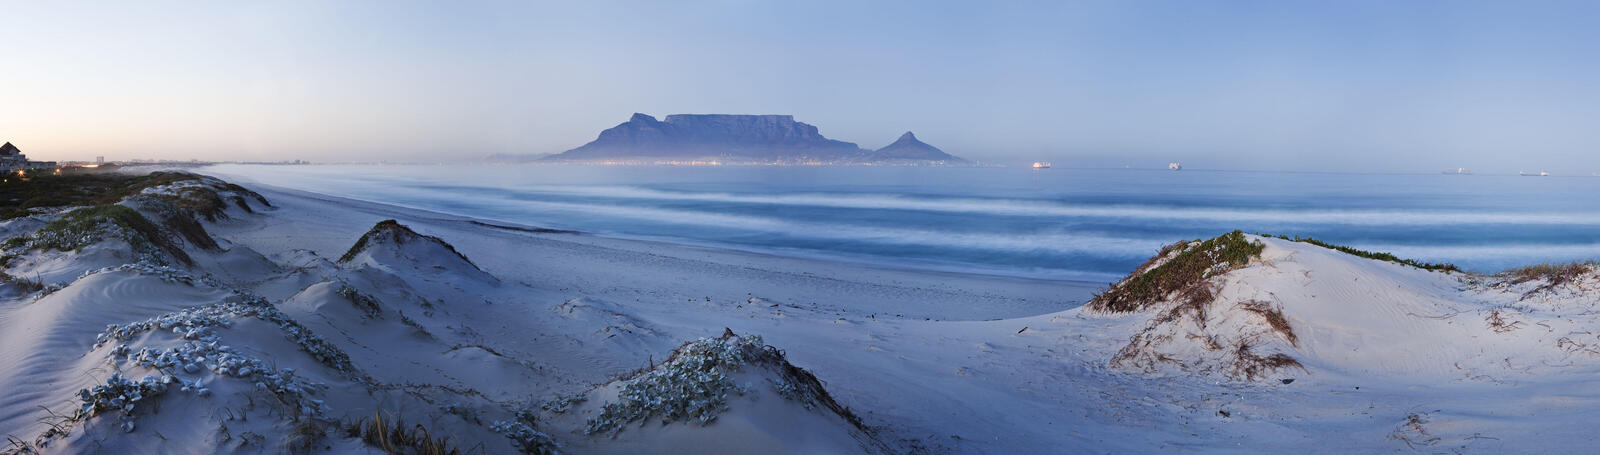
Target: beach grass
[1555, 274]
[1183, 268]
[392, 435]
[19, 195]
[76, 188]
[70, 231]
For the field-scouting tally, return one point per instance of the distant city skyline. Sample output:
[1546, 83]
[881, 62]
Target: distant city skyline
[1495, 87]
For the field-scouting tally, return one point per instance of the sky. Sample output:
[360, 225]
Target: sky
[1385, 86]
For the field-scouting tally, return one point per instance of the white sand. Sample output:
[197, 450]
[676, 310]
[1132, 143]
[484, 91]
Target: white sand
[929, 361]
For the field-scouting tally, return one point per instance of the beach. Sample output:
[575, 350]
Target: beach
[471, 327]
[842, 227]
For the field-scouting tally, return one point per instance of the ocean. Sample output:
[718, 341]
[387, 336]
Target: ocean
[1068, 224]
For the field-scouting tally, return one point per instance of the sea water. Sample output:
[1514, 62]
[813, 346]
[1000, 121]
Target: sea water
[1080, 224]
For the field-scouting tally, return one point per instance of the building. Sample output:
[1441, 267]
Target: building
[12, 159]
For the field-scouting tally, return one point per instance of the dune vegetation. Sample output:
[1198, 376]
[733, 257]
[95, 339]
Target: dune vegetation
[1374, 255]
[1182, 268]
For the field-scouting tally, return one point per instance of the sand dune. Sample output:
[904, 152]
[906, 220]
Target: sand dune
[1344, 314]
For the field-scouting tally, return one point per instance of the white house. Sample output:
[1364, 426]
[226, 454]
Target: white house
[12, 159]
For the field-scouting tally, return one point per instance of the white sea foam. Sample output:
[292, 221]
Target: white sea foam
[1058, 242]
[1026, 207]
[1019, 233]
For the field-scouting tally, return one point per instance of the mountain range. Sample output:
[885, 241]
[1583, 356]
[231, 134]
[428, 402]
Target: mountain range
[739, 138]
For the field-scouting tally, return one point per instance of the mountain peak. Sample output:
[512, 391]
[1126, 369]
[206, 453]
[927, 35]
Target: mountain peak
[909, 148]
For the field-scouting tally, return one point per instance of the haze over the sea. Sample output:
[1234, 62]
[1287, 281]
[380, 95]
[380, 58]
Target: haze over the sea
[1350, 86]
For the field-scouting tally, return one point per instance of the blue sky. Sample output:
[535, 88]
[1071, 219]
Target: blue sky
[1381, 86]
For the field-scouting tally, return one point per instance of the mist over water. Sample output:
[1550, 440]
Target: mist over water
[1058, 224]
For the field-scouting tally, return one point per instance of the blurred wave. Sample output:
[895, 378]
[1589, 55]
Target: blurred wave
[1064, 224]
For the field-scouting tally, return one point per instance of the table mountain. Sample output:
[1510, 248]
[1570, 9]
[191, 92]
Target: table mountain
[714, 136]
[738, 138]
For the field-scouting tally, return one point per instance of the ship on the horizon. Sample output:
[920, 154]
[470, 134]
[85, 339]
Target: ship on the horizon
[1530, 174]
[1176, 166]
[1458, 171]
[1041, 164]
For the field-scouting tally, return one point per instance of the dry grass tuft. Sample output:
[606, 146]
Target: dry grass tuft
[18, 447]
[1413, 432]
[1274, 317]
[303, 438]
[1501, 324]
[1192, 303]
[1552, 276]
[1249, 366]
[25, 285]
[809, 387]
[394, 437]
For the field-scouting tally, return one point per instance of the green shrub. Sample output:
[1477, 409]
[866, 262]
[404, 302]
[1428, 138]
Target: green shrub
[1375, 255]
[81, 187]
[694, 383]
[366, 303]
[77, 188]
[1184, 272]
[85, 226]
